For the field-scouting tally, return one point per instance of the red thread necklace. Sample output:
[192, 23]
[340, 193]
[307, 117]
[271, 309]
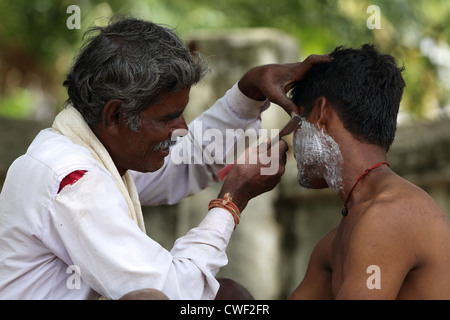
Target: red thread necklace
[344, 208]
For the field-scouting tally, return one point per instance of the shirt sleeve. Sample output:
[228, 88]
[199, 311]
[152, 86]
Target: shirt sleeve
[194, 161]
[115, 257]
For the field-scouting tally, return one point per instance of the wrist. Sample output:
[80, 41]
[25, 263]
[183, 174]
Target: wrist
[244, 106]
[237, 200]
[226, 202]
[249, 89]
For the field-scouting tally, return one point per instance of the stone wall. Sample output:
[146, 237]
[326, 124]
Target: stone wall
[269, 251]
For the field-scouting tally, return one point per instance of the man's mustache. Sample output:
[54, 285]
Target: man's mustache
[172, 140]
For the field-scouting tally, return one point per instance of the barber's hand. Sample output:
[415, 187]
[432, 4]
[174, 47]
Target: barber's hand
[273, 81]
[246, 180]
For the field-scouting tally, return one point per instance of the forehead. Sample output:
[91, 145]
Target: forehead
[168, 103]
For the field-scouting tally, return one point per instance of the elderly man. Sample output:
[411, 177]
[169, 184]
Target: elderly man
[393, 241]
[71, 225]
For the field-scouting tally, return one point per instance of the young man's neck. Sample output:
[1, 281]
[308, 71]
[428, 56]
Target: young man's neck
[358, 157]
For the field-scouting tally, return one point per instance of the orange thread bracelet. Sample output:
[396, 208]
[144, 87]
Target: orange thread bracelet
[227, 204]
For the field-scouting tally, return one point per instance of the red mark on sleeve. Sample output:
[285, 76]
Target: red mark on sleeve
[71, 178]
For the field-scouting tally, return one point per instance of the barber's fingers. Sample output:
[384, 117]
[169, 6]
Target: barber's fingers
[268, 146]
[282, 148]
[295, 72]
[317, 58]
[283, 101]
[300, 69]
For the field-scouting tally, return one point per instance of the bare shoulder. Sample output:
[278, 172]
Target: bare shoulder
[406, 234]
[401, 200]
[402, 214]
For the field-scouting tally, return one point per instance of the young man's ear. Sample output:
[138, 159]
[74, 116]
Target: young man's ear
[112, 114]
[321, 113]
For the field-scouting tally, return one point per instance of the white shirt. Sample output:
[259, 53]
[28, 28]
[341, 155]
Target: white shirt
[80, 243]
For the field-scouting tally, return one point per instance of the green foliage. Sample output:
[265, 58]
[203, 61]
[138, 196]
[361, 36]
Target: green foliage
[322, 25]
[34, 37]
[18, 104]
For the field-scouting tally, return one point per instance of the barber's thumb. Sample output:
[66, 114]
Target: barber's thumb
[282, 145]
[265, 145]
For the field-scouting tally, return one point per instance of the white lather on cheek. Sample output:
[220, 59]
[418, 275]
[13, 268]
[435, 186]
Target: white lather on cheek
[318, 156]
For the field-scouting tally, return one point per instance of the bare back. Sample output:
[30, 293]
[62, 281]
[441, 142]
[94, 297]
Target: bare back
[395, 245]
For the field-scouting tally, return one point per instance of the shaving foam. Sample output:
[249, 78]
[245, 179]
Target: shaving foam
[318, 157]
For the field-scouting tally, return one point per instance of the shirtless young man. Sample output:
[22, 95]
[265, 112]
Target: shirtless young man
[350, 108]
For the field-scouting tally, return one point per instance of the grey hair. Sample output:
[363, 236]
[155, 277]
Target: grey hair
[131, 60]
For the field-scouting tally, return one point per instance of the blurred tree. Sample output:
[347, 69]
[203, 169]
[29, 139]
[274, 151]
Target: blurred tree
[36, 47]
[322, 25]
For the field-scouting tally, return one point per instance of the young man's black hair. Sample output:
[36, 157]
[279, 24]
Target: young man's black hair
[364, 86]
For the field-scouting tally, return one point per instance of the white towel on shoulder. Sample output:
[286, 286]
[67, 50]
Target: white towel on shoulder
[71, 124]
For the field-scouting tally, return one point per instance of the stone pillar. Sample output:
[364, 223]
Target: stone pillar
[254, 250]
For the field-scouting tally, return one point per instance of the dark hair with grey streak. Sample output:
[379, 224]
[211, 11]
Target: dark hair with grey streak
[131, 60]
